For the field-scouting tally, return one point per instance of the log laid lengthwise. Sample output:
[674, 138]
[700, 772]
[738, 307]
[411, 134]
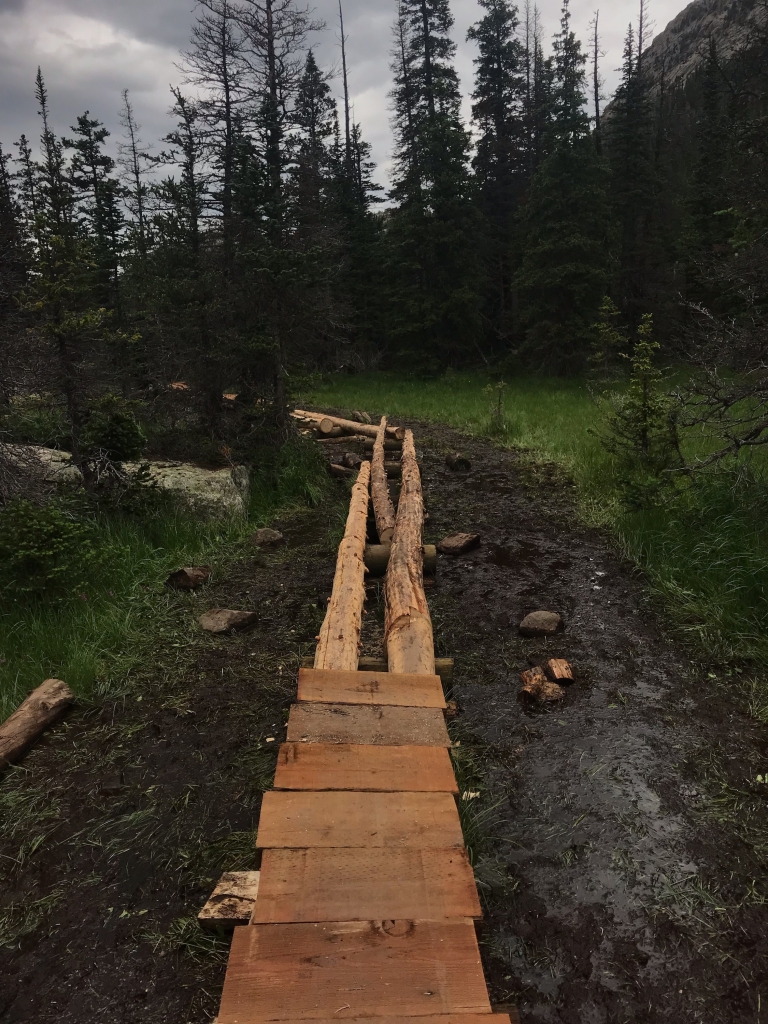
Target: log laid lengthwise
[326, 424]
[407, 625]
[339, 641]
[383, 509]
[41, 709]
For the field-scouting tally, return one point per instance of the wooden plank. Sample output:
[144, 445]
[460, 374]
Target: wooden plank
[231, 902]
[415, 691]
[509, 1017]
[365, 885]
[364, 766]
[360, 723]
[296, 820]
[443, 666]
[353, 969]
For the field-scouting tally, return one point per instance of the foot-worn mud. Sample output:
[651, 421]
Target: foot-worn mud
[619, 835]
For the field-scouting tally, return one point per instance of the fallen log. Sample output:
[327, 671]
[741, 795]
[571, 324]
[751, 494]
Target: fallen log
[44, 706]
[336, 470]
[408, 637]
[350, 426]
[377, 559]
[339, 638]
[383, 509]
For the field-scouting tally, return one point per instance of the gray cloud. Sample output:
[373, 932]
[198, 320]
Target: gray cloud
[92, 49]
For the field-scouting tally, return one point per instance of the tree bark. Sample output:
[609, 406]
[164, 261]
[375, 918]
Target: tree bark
[383, 509]
[339, 639]
[42, 708]
[407, 626]
[315, 418]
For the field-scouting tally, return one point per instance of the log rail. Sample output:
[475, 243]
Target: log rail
[366, 901]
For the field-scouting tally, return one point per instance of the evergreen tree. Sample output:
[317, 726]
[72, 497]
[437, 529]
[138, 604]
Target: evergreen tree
[499, 165]
[565, 221]
[316, 124]
[433, 231]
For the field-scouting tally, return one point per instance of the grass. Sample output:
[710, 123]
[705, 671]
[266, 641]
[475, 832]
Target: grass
[704, 549]
[92, 637]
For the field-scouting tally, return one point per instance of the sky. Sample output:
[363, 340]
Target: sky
[90, 50]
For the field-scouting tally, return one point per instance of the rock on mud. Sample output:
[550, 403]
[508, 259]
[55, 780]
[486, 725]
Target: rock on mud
[266, 538]
[541, 623]
[458, 543]
[190, 577]
[457, 462]
[536, 687]
[222, 620]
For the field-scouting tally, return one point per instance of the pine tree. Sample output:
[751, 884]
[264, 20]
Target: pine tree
[316, 123]
[499, 164]
[432, 233]
[564, 270]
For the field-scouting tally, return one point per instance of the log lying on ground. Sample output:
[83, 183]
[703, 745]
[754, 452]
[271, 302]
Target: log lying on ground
[377, 559]
[338, 642]
[41, 709]
[324, 423]
[383, 509]
[407, 626]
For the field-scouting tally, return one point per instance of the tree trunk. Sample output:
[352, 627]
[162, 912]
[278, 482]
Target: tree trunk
[42, 708]
[351, 427]
[339, 639]
[407, 625]
[383, 509]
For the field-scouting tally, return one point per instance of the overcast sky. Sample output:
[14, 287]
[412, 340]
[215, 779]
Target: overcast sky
[90, 50]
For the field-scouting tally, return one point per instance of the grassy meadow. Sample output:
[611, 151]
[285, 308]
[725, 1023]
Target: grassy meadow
[704, 547]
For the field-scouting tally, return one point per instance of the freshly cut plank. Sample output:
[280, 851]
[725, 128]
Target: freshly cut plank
[364, 766]
[360, 723]
[339, 639]
[415, 691]
[295, 820]
[352, 969]
[365, 885]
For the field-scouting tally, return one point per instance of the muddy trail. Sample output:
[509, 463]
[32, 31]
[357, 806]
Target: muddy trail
[619, 836]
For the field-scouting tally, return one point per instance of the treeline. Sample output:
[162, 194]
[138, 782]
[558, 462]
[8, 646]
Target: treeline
[251, 246]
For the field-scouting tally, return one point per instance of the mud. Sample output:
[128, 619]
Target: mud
[619, 836]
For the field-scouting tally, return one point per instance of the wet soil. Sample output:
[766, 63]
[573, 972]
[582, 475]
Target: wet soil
[619, 836]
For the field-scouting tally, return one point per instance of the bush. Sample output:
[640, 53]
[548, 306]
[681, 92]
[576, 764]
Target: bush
[36, 419]
[45, 549]
[112, 430]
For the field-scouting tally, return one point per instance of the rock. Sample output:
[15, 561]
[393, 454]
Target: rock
[458, 543]
[222, 620]
[558, 670]
[541, 624]
[351, 460]
[264, 537]
[457, 462]
[536, 687]
[188, 578]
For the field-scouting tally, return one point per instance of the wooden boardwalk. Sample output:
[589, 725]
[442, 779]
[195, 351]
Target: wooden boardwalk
[366, 900]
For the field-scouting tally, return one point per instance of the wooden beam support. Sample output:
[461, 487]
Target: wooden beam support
[376, 558]
[333, 687]
[383, 509]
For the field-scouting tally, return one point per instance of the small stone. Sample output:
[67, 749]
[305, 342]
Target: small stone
[458, 543]
[266, 538]
[541, 624]
[457, 462]
[536, 687]
[351, 460]
[222, 620]
[189, 578]
[559, 670]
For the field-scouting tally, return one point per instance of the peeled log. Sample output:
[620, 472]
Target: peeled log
[349, 426]
[41, 709]
[339, 639]
[407, 626]
[377, 559]
[383, 509]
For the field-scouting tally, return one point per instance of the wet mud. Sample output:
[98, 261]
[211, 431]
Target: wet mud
[618, 835]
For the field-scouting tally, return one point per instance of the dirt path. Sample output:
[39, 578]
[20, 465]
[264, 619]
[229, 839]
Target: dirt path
[620, 837]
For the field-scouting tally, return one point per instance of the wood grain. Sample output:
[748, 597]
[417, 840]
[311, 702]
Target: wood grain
[297, 820]
[351, 723]
[415, 691]
[365, 885]
[351, 969]
[364, 766]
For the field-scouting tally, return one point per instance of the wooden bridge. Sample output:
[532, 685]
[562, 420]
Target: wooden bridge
[366, 903]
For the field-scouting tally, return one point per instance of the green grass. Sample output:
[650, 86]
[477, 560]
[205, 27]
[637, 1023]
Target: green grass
[705, 549]
[93, 637]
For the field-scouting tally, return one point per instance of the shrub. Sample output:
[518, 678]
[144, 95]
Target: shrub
[45, 548]
[112, 430]
[36, 419]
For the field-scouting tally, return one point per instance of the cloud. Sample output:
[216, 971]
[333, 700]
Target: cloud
[90, 50]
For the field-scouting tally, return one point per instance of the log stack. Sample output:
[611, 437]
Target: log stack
[336, 426]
